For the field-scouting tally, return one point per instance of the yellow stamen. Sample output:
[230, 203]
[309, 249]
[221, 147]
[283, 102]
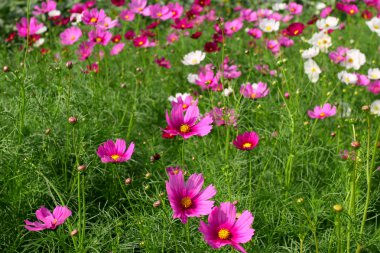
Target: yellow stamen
[186, 202]
[247, 145]
[159, 14]
[184, 106]
[224, 234]
[98, 39]
[55, 221]
[253, 95]
[140, 43]
[185, 128]
[72, 37]
[115, 157]
[93, 20]
[322, 114]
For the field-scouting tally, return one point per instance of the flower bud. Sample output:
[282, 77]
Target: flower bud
[333, 134]
[6, 69]
[69, 64]
[338, 208]
[355, 144]
[365, 108]
[48, 131]
[73, 120]
[74, 232]
[300, 200]
[148, 175]
[82, 167]
[128, 181]
[157, 203]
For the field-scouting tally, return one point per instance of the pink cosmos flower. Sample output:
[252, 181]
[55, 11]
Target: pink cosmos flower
[139, 6]
[187, 125]
[339, 55]
[326, 11]
[188, 199]
[294, 8]
[208, 80]
[322, 112]
[374, 87]
[48, 220]
[45, 7]
[173, 170]
[160, 12]
[141, 41]
[127, 15]
[172, 38]
[107, 23]
[273, 46]
[287, 18]
[25, 28]
[175, 9]
[182, 24]
[93, 17]
[70, 35]
[184, 102]
[295, 29]
[285, 41]
[118, 3]
[230, 71]
[224, 229]
[255, 33]
[232, 27]
[363, 80]
[222, 116]
[100, 36]
[246, 141]
[117, 49]
[254, 91]
[162, 62]
[85, 50]
[276, 16]
[115, 152]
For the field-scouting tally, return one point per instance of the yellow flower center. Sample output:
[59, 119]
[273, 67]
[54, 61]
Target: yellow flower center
[140, 9]
[93, 20]
[350, 60]
[296, 32]
[352, 11]
[186, 202]
[247, 145]
[224, 234]
[98, 39]
[140, 43]
[185, 106]
[313, 70]
[268, 28]
[115, 157]
[376, 26]
[159, 14]
[175, 172]
[253, 95]
[126, 16]
[194, 61]
[72, 37]
[322, 114]
[55, 221]
[185, 128]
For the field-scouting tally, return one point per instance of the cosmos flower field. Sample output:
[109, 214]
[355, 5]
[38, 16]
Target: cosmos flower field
[190, 126]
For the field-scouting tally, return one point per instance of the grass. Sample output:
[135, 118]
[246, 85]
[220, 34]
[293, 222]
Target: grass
[298, 175]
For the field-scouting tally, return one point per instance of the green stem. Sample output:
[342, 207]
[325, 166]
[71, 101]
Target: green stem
[250, 182]
[227, 142]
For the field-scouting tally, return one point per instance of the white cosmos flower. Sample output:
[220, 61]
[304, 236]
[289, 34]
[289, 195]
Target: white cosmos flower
[312, 70]
[279, 6]
[347, 78]
[320, 6]
[354, 59]
[269, 25]
[374, 74]
[75, 18]
[374, 25]
[328, 23]
[174, 98]
[375, 107]
[42, 30]
[226, 92]
[54, 13]
[192, 78]
[310, 53]
[39, 42]
[321, 40]
[193, 58]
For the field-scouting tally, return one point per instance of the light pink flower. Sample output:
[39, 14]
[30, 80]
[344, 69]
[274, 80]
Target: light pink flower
[85, 50]
[294, 8]
[127, 15]
[70, 35]
[45, 7]
[322, 112]
[187, 125]
[48, 220]
[224, 229]
[115, 152]
[117, 49]
[254, 91]
[93, 17]
[188, 199]
[172, 38]
[107, 24]
[139, 6]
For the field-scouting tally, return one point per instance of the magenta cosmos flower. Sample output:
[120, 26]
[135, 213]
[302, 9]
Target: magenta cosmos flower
[93, 17]
[48, 220]
[187, 199]
[224, 229]
[187, 125]
[322, 112]
[114, 152]
[246, 141]
[70, 35]
[256, 90]
[45, 7]
[25, 28]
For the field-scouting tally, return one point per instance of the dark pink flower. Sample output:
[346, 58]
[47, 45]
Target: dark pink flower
[160, 12]
[229, 71]
[187, 199]
[93, 17]
[184, 100]
[173, 170]
[48, 220]
[140, 41]
[85, 50]
[115, 152]
[255, 33]
[224, 229]
[100, 36]
[222, 116]
[322, 112]
[182, 24]
[162, 62]
[246, 141]
[172, 38]
[175, 9]
[374, 87]
[118, 3]
[189, 124]
[295, 29]
[127, 15]
[25, 28]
